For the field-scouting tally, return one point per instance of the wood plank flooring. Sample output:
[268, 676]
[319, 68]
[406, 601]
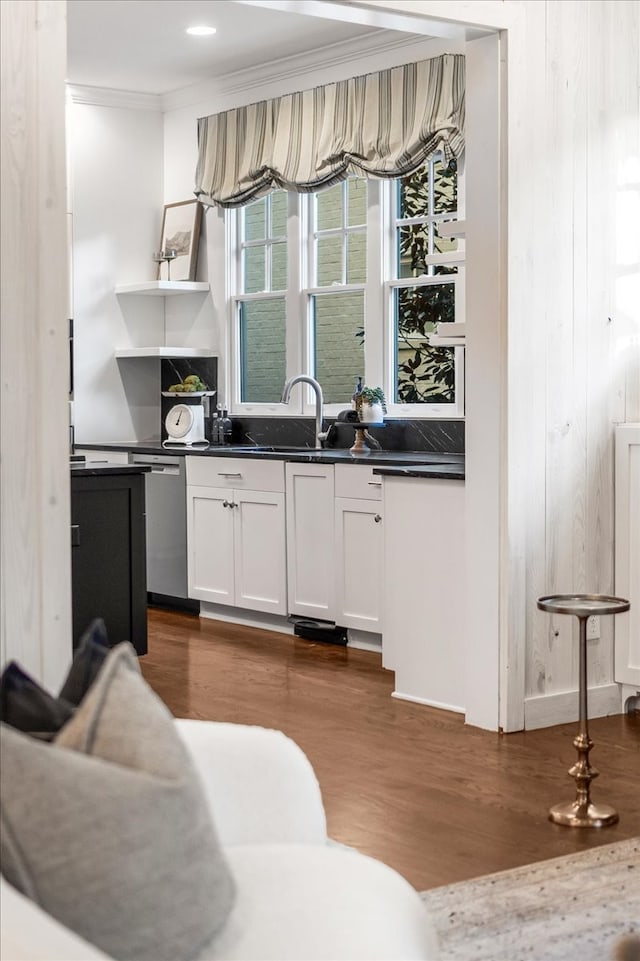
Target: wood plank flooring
[411, 785]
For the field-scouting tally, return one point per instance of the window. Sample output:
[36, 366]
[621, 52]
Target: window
[426, 277]
[260, 308]
[348, 282]
[336, 294]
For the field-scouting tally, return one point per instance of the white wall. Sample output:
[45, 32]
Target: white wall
[117, 183]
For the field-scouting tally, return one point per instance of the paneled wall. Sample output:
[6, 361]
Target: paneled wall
[35, 574]
[573, 321]
[571, 188]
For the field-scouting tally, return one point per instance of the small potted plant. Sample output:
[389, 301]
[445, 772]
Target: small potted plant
[372, 405]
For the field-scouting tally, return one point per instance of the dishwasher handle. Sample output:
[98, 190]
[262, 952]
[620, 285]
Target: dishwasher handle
[159, 469]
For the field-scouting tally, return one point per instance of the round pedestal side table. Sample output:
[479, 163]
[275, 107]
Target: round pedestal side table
[583, 813]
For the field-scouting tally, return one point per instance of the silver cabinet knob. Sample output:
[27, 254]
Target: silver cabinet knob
[377, 518]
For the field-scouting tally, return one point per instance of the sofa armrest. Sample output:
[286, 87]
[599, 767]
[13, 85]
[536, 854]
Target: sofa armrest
[28, 933]
[260, 785]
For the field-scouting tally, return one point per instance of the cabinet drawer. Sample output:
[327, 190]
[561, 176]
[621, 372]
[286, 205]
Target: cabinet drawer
[358, 481]
[237, 473]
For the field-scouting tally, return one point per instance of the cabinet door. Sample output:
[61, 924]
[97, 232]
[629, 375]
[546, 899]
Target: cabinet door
[310, 540]
[210, 544]
[424, 626]
[260, 551]
[358, 564]
[108, 557]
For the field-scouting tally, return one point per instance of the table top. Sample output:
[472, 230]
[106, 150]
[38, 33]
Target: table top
[584, 605]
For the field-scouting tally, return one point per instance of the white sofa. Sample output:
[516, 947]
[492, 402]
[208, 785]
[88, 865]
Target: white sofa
[298, 896]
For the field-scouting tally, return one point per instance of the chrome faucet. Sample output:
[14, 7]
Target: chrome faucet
[305, 379]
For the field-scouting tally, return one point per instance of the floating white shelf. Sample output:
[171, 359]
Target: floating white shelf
[164, 288]
[437, 341]
[165, 352]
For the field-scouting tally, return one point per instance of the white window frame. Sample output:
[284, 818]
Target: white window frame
[379, 291]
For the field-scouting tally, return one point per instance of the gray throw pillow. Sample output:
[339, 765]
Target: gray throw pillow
[107, 827]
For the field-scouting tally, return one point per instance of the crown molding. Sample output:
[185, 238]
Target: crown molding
[329, 57]
[107, 97]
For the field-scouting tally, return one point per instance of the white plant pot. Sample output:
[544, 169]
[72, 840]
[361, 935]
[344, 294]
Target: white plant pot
[371, 413]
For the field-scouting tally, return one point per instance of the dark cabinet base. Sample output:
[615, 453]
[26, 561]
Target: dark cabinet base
[108, 556]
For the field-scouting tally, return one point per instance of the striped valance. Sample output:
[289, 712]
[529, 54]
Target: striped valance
[379, 125]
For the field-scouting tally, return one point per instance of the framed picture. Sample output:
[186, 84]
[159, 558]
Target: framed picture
[180, 232]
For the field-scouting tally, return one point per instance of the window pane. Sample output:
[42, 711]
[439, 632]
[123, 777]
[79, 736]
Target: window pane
[413, 247]
[329, 208]
[413, 194]
[339, 344]
[279, 213]
[262, 351]
[356, 258]
[329, 259]
[425, 375]
[413, 191]
[445, 189]
[253, 266]
[357, 202]
[279, 266]
[255, 220]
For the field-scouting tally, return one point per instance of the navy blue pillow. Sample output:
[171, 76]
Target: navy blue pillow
[91, 652]
[27, 706]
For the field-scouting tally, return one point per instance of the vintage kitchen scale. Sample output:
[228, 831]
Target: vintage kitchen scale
[184, 422]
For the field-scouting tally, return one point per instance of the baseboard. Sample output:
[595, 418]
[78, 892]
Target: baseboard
[267, 622]
[546, 710]
[364, 640]
[361, 640]
[428, 703]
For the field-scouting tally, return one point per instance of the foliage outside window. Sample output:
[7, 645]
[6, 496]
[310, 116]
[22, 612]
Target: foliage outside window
[423, 294]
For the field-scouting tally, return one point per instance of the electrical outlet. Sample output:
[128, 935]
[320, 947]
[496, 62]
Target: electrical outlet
[593, 627]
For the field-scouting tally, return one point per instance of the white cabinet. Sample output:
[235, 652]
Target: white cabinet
[236, 533]
[310, 540]
[358, 548]
[424, 627]
[627, 556]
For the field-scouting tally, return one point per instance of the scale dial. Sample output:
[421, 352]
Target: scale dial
[179, 421]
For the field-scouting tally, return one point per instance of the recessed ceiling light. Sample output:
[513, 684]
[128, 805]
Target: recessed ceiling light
[201, 31]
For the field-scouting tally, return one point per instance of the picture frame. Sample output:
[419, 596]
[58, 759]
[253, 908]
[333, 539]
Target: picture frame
[181, 224]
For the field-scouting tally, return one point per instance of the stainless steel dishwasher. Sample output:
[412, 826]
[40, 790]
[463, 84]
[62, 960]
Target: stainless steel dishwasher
[166, 508]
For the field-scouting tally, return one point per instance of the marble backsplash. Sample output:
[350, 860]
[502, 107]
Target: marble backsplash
[446, 436]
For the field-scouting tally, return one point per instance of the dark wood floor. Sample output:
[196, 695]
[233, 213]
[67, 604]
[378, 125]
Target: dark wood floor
[410, 785]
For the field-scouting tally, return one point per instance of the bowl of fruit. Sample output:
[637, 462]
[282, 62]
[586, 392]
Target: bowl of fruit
[191, 385]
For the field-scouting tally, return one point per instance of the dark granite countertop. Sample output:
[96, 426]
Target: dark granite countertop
[78, 469]
[451, 471]
[431, 463]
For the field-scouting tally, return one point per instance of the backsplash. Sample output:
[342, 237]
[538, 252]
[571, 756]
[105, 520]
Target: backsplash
[445, 436]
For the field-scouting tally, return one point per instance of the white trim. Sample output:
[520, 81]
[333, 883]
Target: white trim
[328, 58]
[428, 703]
[548, 709]
[106, 97]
